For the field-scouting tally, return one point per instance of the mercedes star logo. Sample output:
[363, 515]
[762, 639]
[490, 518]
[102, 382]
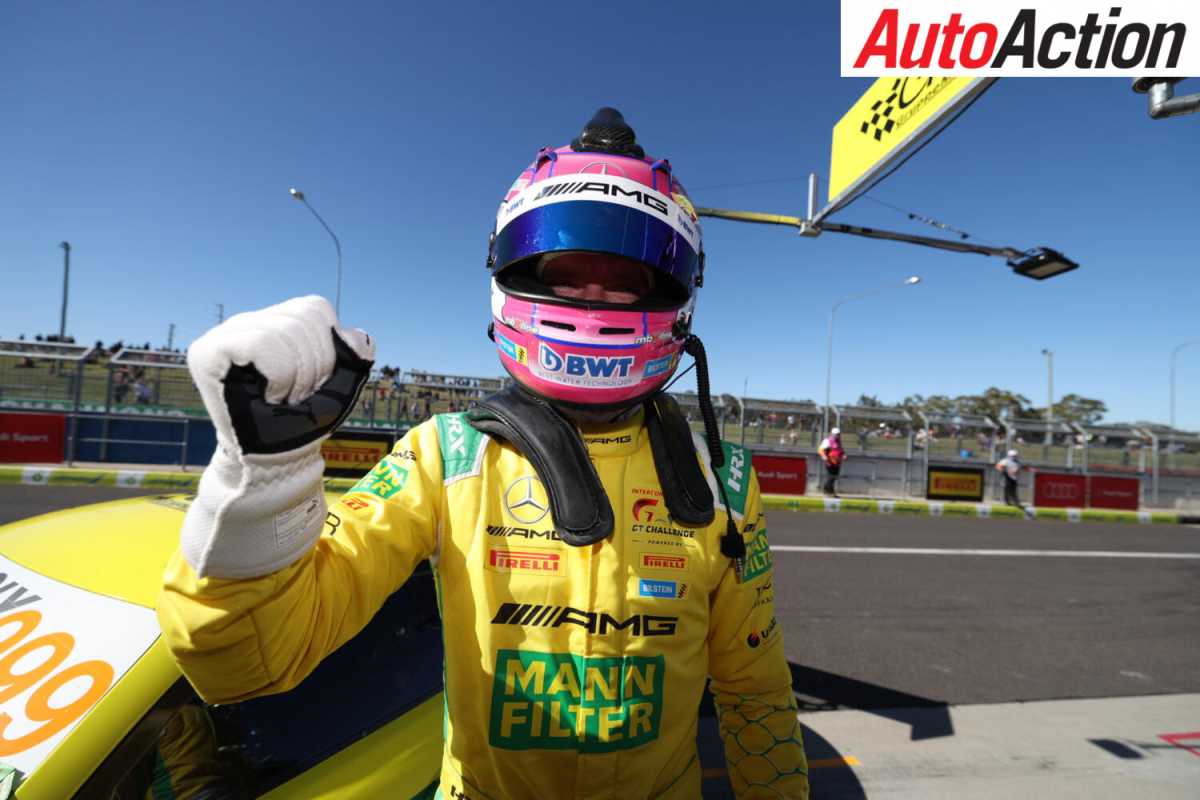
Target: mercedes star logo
[525, 500]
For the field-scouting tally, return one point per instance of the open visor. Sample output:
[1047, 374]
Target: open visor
[657, 237]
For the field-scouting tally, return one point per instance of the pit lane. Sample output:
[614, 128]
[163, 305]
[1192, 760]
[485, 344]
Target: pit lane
[952, 672]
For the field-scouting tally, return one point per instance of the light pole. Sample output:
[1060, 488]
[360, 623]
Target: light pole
[62, 320]
[910, 281]
[1174, 353]
[1049, 354]
[299, 195]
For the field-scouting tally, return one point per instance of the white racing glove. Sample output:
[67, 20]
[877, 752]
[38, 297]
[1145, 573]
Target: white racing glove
[276, 383]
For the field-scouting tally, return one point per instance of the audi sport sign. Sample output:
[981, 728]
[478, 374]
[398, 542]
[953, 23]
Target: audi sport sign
[1058, 490]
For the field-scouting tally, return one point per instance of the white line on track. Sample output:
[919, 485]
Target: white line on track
[933, 551]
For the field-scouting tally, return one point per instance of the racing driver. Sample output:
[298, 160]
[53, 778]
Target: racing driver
[596, 561]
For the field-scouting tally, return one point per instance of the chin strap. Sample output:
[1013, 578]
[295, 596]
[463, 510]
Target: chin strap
[732, 544]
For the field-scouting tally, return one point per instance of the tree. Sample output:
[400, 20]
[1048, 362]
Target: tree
[1081, 410]
[869, 401]
[995, 403]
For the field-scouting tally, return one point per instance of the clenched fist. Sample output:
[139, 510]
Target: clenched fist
[276, 382]
[277, 379]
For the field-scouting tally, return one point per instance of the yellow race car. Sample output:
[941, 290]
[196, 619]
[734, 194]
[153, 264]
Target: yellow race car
[92, 706]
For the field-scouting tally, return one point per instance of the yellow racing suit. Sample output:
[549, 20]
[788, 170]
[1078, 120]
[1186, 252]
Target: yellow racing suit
[570, 672]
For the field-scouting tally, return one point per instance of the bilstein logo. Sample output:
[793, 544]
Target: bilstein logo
[533, 615]
[643, 509]
[662, 561]
[525, 500]
[533, 562]
[1136, 44]
[604, 188]
[561, 701]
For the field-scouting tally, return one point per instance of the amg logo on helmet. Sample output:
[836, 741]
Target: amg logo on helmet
[604, 188]
[541, 616]
[579, 365]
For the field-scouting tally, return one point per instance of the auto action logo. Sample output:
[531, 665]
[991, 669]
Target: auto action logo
[1006, 38]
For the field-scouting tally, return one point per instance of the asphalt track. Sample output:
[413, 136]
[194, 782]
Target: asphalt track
[963, 657]
[956, 625]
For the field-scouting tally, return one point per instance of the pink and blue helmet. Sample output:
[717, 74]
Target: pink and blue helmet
[601, 194]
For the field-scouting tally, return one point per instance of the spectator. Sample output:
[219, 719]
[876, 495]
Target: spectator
[832, 454]
[141, 391]
[120, 385]
[1010, 467]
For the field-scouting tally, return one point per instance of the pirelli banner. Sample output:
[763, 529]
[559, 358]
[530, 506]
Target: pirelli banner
[955, 483]
[351, 455]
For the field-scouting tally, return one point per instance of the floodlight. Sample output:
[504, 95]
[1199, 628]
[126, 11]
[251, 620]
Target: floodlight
[1041, 263]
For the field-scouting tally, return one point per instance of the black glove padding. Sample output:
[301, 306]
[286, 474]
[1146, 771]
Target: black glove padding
[264, 428]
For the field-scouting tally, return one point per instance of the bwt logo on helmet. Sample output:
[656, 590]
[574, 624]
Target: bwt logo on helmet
[583, 366]
[1018, 38]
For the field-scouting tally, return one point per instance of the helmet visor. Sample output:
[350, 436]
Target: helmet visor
[651, 237]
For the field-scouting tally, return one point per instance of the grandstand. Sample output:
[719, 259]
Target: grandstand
[53, 376]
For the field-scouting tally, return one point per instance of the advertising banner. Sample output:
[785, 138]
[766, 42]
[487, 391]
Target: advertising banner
[1108, 492]
[780, 474]
[351, 455]
[955, 483]
[32, 438]
[1058, 490]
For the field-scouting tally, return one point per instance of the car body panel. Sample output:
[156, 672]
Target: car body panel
[356, 771]
[119, 549]
[99, 548]
[77, 756]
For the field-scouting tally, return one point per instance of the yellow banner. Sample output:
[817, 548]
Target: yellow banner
[953, 484]
[891, 117]
[353, 454]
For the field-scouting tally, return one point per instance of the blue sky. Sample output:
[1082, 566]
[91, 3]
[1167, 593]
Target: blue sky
[161, 140]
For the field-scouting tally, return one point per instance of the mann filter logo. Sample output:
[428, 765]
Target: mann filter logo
[758, 557]
[385, 480]
[575, 369]
[663, 561]
[525, 500]
[534, 615]
[561, 701]
[530, 562]
[524, 533]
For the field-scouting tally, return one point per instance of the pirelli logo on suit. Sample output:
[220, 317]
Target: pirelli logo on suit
[529, 562]
[664, 561]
